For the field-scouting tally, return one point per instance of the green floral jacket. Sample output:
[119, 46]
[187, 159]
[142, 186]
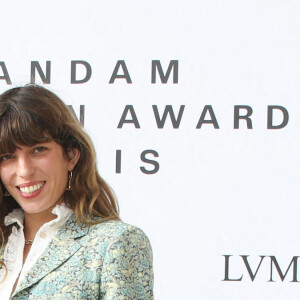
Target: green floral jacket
[110, 261]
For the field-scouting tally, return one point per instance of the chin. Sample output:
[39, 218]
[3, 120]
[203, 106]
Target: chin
[33, 209]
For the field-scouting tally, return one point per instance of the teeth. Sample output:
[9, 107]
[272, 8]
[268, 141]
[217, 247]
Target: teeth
[32, 188]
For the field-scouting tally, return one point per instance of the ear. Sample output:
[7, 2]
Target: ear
[73, 155]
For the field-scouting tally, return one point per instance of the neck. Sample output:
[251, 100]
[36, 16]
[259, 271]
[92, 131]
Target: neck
[33, 222]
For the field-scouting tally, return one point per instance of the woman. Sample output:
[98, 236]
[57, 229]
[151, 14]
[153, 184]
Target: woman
[61, 236]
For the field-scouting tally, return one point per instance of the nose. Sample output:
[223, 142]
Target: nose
[25, 167]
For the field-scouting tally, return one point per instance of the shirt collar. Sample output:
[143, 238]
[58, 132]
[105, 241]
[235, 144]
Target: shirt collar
[17, 215]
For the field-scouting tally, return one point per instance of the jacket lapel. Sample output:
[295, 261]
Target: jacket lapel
[64, 245]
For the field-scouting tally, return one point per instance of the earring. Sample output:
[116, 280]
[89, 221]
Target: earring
[6, 194]
[69, 181]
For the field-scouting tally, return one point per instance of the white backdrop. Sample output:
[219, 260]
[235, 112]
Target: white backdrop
[218, 192]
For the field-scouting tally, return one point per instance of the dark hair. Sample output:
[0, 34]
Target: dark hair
[31, 115]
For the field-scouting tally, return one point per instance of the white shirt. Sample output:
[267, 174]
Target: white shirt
[13, 253]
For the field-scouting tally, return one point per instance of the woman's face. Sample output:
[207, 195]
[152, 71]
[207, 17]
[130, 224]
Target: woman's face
[37, 176]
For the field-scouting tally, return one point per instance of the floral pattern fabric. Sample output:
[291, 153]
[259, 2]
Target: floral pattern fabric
[109, 261]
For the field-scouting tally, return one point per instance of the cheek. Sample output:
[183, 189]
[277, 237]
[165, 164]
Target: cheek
[4, 175]
[56, 171]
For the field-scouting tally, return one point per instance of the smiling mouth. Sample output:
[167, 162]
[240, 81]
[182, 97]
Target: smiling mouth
[31, 189]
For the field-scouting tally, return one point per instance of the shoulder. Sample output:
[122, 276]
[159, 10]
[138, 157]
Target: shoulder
[107, 239]
[115, 231]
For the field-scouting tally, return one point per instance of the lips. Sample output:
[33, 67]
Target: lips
[31, 189]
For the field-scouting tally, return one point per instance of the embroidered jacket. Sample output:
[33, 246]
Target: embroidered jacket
[109, 261]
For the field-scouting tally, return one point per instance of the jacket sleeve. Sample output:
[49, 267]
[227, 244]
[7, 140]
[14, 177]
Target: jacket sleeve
[127, 272]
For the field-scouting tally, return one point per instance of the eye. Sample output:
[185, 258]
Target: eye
[39, 149]
[5, 157]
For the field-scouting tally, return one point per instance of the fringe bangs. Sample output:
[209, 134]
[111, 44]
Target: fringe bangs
[20, 128]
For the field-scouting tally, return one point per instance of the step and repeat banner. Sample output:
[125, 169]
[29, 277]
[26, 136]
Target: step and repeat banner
[194, 110]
